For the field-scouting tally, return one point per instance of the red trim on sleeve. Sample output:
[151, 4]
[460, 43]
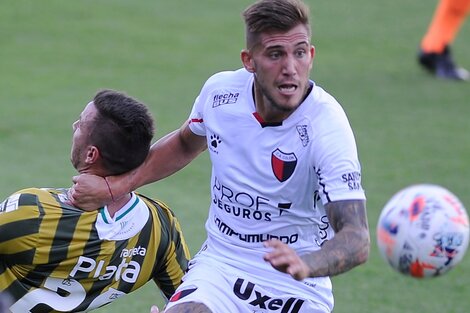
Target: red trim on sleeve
[196, 120]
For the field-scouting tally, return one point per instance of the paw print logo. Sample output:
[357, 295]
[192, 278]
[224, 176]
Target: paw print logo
[215, 141]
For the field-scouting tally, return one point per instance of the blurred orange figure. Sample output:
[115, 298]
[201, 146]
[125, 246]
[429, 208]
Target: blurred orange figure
[435, 54]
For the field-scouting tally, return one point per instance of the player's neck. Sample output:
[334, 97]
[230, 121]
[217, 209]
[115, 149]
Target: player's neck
[266, 110]
[116, 205]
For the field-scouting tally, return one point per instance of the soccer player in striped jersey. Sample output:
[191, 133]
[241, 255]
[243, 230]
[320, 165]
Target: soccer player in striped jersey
[58, 258]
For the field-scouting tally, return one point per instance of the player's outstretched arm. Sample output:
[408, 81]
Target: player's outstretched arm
[349, 247]
[167, 156]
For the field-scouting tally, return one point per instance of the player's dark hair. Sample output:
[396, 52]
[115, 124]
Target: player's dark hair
[122, 131]
[274, 15]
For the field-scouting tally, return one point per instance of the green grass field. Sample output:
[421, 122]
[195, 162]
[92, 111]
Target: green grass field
[410, 127]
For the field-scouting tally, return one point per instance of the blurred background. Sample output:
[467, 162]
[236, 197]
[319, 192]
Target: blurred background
[410, 127]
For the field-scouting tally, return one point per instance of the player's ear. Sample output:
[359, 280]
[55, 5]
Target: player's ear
[247, 60]
[92, 155]
[312, 55]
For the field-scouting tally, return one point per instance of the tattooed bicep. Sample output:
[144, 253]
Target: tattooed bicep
[347, 212]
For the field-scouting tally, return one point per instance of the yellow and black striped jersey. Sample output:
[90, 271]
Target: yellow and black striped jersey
[57, 258]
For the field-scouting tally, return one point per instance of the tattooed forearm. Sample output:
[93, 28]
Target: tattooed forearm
[351, 244]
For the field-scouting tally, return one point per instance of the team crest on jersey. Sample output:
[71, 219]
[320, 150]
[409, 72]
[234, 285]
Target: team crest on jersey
[283, 164]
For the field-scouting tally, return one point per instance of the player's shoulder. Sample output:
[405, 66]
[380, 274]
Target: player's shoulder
[27, 196]
[320, 95]
[45, 194]
[325, 105]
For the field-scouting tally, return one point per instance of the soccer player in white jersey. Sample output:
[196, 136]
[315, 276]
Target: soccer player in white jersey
[287, 207]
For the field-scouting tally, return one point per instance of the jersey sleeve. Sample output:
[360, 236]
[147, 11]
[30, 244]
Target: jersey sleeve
[204, 99]
[172, 252]
[337, 164]
[196, 118]
[170, 275]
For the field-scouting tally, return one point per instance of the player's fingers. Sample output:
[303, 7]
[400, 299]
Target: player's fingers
[76, 199]
[75, 179]
[154, 309]
[273, 243]
[299, 270]
[283, 259]
[296, 271]
[275, 257]
[70, 196]
[279, 249]
[72, 193]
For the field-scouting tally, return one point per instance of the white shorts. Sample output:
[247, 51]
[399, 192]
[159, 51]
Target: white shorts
[226, 289]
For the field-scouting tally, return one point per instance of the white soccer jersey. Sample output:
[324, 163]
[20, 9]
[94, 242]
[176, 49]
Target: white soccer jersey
[272, 180]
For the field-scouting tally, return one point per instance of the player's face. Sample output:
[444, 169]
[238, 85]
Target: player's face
[80, 139]
[281, 62]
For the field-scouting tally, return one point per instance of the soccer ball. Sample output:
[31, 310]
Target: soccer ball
[423, 231]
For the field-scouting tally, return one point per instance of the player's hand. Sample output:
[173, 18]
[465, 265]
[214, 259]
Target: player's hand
[89, 192]
[286, 260]
[154, 309]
